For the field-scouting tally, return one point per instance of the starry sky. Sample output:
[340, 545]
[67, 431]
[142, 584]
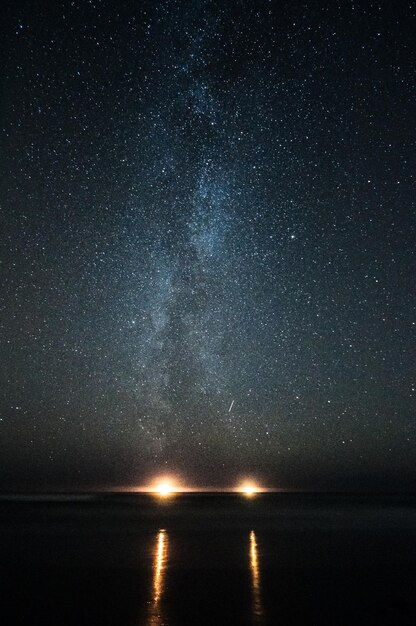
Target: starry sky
[207, 241]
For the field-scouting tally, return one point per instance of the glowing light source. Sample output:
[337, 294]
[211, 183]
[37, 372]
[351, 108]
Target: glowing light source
[165, 486]
[165, 489]
[248, 489]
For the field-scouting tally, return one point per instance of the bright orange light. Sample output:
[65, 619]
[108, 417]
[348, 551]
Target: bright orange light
[165, 486]
[248, 489]
[165, 489]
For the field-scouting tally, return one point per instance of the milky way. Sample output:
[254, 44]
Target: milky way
[207, 259]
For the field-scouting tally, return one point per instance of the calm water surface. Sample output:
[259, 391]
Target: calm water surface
[205, 559]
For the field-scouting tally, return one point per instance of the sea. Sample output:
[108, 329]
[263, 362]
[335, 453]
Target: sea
[208, 559]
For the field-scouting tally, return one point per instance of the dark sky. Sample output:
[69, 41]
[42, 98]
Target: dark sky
[207, 243]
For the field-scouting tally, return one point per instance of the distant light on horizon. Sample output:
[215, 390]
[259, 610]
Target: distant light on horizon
[165, 486]
[249, 489]
[169, 485]
[165, 489]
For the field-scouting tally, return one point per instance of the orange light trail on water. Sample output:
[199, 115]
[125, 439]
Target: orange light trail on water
[159, 565]
[160, 558]
[257, 605]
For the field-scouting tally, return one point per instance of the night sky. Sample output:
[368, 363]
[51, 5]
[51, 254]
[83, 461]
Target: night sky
[207, 251]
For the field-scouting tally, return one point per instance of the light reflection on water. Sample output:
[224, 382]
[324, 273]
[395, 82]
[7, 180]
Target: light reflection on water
[160, 554]
[257, 605]
[160, 560]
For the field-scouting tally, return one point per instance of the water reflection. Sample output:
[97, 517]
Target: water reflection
[257, 605]
[156, 615]
[160, 558]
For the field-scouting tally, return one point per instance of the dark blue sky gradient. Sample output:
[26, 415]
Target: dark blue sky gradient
[206, 204]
